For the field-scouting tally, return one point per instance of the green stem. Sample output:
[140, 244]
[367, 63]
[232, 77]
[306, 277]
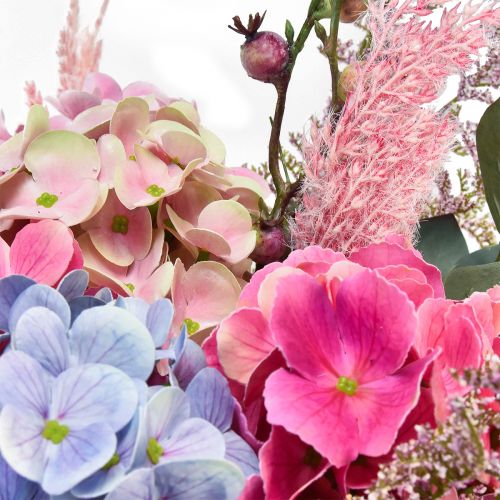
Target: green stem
[331, 51]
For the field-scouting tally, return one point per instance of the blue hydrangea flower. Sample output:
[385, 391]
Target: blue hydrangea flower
[57, 431]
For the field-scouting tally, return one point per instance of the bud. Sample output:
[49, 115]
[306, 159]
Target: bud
[351, 10]
[271, 246]
[264, 55]
[347, 81]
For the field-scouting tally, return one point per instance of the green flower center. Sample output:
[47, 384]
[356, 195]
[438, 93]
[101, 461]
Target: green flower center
[47, 200]
[120, 224]
[347, 386]
[192, 326]
[54, 431]
[154, 451]
[114, 460]
[155, 190]
[130, 286]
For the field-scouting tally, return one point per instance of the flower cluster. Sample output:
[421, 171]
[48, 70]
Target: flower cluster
[338, 361]
[77, 415]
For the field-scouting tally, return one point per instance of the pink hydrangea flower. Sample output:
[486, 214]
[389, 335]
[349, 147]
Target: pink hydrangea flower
[44, 251]
[349, 390]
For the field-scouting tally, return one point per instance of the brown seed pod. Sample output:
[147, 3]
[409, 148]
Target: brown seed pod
[351, 10]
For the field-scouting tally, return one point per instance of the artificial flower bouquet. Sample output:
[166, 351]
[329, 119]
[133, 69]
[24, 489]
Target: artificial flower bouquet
[314, 328]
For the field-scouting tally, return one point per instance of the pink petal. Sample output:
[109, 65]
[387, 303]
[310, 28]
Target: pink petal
[377, 325]
[103, 86]
[183, 147]
[304, 327]
[121, 248]
[382, 405]
[42, 251]
[385, 254]
[11, 154]
[36, 124]
[243, 341]
[249, 294]
[431, 325]
[313, 254]
[484, 309]
[204, 239]
[157, 285]
[72, 102]
[142, 269]
[254, 489]
[94, 122]
[182, 112]
[284, 465]
[320, 416]
[129, 121]
[112, 156]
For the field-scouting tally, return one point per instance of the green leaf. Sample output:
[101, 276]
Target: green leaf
[441, 242]
[488, 149]
[289, 32]
[463, 281]
[484, 256]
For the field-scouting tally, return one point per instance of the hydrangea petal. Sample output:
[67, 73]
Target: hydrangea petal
[103, 86]
[74, 284]
[43, 296]
[112, 156]
[289, 465]
[367, 305]
[138, 485]
[4, 258]
[239, 452]
[165, 411]
[21, 440]
[243, 341]
[66, 467]
[211, 398]
[42, 251]
[94, 394]
[159, 319]
[382, 405]
[188, 364]
[80, 304]
[324, 422]
[10, 289]
[158, 284]
[15, 487]
[109, 335]
[37, 122]
[41, 334]
[214, 479]
[194, 439]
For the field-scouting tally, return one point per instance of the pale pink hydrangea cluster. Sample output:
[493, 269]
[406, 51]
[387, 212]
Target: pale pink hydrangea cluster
[370, 171]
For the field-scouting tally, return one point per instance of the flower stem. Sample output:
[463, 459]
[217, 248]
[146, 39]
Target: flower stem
[331, 51]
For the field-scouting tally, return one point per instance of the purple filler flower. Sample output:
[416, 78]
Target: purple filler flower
[57, 431]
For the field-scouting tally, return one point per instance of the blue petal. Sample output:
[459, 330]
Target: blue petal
[120, 302]
[211, 398]
[239, 452]
[159, 320]
[10, 289]
[43, 296]
[199, 479]
[191, 361]
[73, 284]
[24, 383]
[193, 439]
[104, 294]
[92, 394]
[21, 441]
[80, 304]
[41, 334]
[15, 487]
[113, 336]
[81, 453]
[138, 307]
[139, 485]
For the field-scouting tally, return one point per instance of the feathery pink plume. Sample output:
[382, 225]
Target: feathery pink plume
[33, 95]
[79, 52]
[371, 175]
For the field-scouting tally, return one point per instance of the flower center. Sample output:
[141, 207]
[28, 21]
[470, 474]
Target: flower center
[155, 190]
[47, 200]
[154, 451]
[120, 224]
[130, 286]
[54, 431]
[114, 460]
[347, 386]
[192, 326]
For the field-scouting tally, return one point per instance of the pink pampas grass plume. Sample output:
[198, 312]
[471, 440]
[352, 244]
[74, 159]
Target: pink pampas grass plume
[371, 174]
[33, 95]
[79, 52]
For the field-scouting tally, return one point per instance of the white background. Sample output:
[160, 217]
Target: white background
[182, 46]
